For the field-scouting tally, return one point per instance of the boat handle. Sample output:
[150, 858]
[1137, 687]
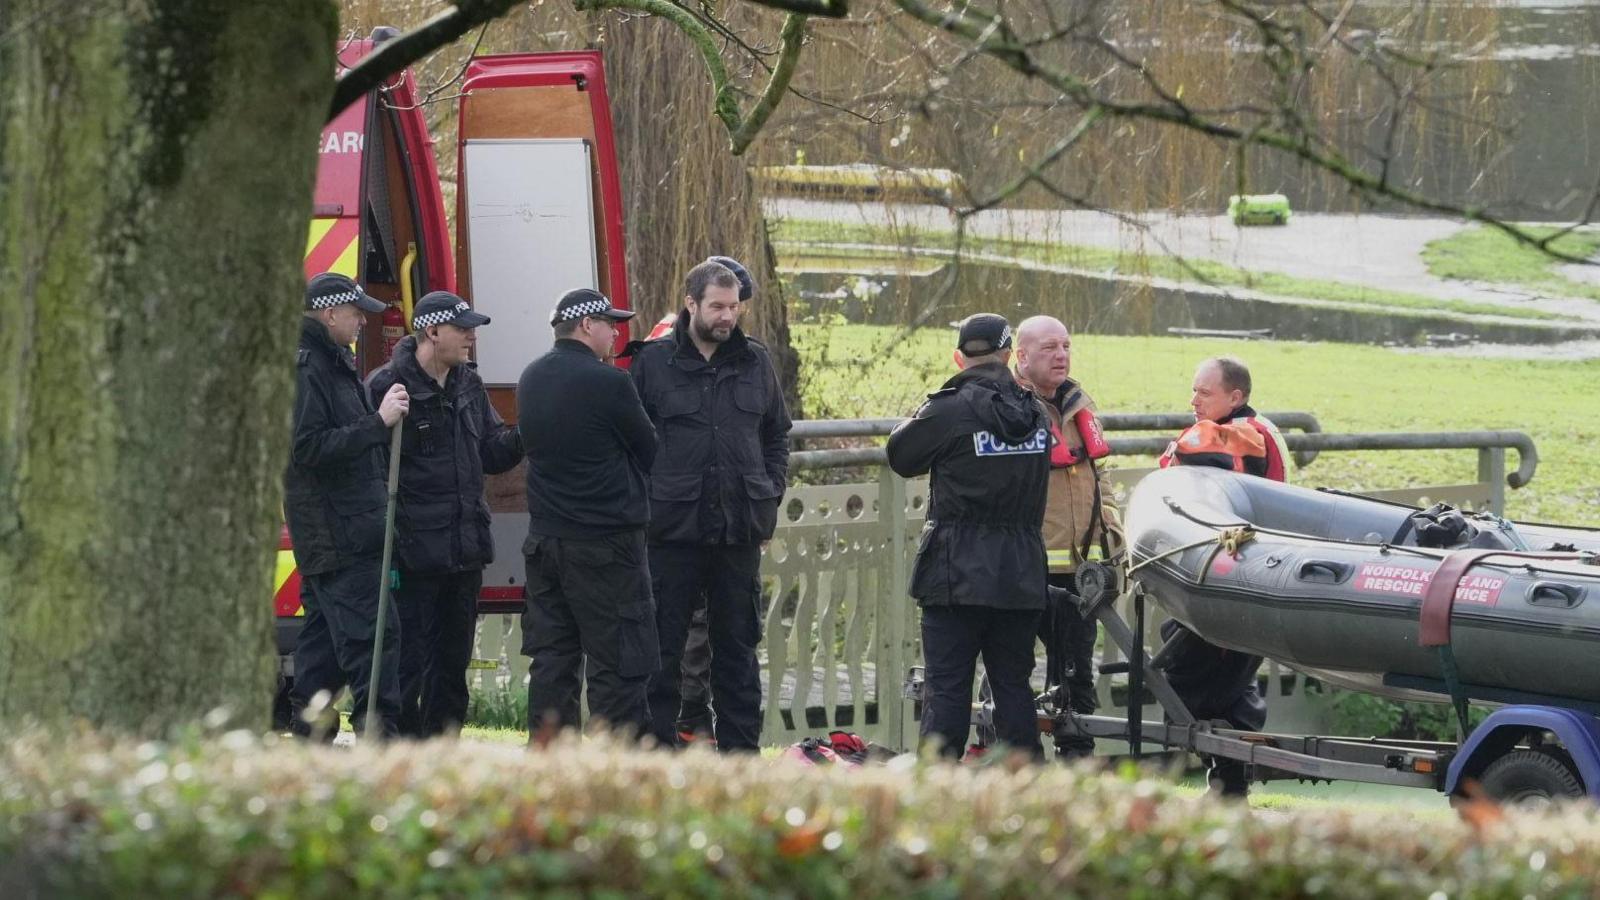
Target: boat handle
[1323, 571]
[1551, 593]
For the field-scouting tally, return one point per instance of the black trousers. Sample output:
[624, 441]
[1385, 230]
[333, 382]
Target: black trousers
[335, 647]
[953, 638]
[1217, 683]
[589, 611]
[694, 712]
[438, 619]
[1069, 660]
[727, 580]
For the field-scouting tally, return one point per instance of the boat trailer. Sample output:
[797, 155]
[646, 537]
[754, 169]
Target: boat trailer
[1520, 753]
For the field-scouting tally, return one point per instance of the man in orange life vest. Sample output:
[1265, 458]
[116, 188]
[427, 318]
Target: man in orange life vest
[1080, 519]
[1227, 433]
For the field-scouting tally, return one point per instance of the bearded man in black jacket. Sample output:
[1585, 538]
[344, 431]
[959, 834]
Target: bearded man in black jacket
[714, 398]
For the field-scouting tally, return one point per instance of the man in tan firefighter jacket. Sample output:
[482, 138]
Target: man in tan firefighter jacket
[1080, 520]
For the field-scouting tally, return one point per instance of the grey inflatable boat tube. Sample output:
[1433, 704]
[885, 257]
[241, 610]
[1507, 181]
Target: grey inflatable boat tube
[1332, 584]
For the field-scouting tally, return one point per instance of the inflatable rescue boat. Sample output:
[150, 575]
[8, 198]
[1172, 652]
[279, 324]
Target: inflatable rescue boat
[1338, 586]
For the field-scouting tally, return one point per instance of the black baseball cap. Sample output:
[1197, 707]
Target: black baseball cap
[983, 333]
[331, 289]
[585, 302]
[445, 308]
[747, 285]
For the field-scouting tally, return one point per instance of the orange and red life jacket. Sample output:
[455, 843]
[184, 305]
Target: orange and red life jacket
[1243, 442]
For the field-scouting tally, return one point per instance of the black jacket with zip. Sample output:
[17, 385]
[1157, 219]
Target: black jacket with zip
[724, 459]
[589, 445]
[451, 437]
[334, 491]
[986, 441]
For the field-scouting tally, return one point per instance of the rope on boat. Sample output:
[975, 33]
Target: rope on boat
[1231, 540]
[1580, 557]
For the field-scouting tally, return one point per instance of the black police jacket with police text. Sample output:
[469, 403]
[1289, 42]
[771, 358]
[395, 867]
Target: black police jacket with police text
[986, 441]
[451, 437]
[334, 491]
[724, 457]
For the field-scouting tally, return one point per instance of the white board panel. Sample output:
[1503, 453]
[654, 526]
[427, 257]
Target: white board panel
[531, 232]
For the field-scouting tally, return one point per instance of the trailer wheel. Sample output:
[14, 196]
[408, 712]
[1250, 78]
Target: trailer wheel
[1532, 778]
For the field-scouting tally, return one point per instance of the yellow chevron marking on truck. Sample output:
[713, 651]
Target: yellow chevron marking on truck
[319, 230]
[285, 568]
[345, 263]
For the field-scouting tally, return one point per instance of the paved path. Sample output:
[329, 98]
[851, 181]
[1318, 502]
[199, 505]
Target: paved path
[1378, 251]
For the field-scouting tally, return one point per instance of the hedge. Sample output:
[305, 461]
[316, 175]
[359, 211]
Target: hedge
[237, 815]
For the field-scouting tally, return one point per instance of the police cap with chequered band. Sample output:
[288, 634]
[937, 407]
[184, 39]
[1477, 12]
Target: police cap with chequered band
[331, 289]
[983, 333]
[585, 302]
[445, 308]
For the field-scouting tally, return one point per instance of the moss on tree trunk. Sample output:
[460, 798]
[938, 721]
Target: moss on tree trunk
[155, 184]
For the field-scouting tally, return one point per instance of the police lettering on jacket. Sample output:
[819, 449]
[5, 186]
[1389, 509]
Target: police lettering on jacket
[986, 444]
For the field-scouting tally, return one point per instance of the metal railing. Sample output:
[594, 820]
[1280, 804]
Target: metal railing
[841, 630]
[1171, 423]
[1305, 447]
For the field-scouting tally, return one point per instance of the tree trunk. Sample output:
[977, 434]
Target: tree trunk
[155, 181]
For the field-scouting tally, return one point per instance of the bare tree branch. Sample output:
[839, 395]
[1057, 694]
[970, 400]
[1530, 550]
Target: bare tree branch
[989, 34]
[793, 36]
[727, 107]
[832, 9]
[396, 55]
[1036, 171]
[1281, 124]
[758, 57]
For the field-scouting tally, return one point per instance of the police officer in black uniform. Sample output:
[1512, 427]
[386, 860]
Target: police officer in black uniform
[714, 397]
[980, 571]
[334, 500]
[452, 436]
[589, 445]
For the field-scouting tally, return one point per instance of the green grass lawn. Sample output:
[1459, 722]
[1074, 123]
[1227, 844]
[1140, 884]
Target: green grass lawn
[494, 735]
[1484, 254]
[798, 240]
[1348, 796]
[852, 371]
